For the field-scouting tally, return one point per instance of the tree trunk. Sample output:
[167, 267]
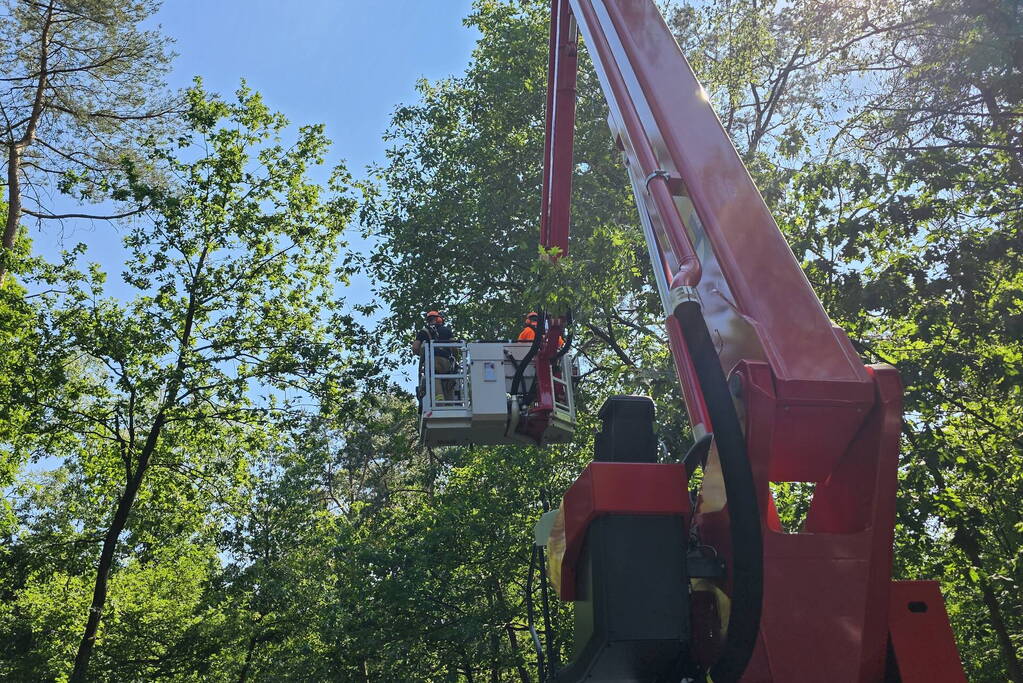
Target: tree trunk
[106, 559]
[470, 676]
[494, 636]
[1015, 671]
[134, 481]
[520, 665]
[14, 156]
[13, 195]
[495, 651]
[17, 147]
[244, 676]
[968, 544]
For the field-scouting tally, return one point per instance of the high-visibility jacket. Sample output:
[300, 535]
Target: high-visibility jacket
[528, 333]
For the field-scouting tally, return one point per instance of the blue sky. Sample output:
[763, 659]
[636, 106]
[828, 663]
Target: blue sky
[345, 63]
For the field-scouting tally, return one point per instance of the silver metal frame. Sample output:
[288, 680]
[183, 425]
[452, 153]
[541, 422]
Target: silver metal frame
[461, 377]
[453, 418]
[566, 409]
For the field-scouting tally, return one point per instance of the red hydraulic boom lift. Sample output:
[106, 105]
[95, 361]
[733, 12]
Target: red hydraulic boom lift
[668, 585]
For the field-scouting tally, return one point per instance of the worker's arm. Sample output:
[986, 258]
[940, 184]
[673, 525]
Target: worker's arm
[417, 345]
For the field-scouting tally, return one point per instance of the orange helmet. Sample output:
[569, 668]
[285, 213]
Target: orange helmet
[434, 314]
[534, 315]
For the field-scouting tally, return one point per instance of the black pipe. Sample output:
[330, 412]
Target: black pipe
[743, 510]
[520, 368]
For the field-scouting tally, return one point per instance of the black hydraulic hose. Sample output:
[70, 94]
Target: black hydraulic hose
[520, 368]
[743, 509]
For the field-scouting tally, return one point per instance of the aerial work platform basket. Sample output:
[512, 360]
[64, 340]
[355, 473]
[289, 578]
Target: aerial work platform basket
[466, 394]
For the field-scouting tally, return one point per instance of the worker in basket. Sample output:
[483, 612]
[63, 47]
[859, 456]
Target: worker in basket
[443, 358]
[528, 334]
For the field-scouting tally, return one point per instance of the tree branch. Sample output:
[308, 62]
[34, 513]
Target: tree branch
[62, 216]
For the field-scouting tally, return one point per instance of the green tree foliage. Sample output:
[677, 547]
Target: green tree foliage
[952, 323]
[458, 223]
[236, 324]
[17, 330]
[81, 81]
[204, 470]
[886, 138]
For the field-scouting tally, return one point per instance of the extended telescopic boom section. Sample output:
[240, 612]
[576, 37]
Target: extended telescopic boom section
[762, 368]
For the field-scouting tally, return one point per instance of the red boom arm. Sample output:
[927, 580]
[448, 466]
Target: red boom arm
[799, 405]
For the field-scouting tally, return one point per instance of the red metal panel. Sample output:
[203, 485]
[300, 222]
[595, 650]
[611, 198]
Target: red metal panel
[825, 588]
[812, 411]
[552, 61]
[623, 487]
[561, 96]
[755, 299]
[540, 412]
[764, 277]
[922, 641]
